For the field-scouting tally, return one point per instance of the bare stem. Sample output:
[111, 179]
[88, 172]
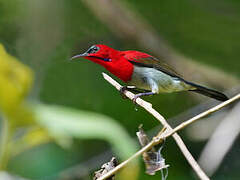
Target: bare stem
[124, 163]
[158, 139]
[203, 114]
[169, 132]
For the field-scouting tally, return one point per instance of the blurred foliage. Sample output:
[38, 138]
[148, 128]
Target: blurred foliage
[44, 34]
[15, 82]
[205, 30]
[61, 123]
[64, 123]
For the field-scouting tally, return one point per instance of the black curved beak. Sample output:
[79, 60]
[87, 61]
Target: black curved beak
[87, 55]
[79, 55]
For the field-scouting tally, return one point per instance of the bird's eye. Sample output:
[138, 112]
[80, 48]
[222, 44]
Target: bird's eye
[93, 49]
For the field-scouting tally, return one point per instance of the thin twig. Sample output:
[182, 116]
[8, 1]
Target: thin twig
[80, 171]
[163, 135]
[167, 133]
[124, 163]
[147, 106]
[203, 114]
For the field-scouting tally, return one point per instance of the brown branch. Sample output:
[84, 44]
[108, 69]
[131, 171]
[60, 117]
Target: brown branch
[216, 108]
[147, 106]
[168, 132]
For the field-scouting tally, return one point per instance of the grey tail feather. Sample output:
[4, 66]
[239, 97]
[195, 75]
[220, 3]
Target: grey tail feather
[208, 92]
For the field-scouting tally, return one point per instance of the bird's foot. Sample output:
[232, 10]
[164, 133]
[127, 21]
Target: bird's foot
[122, 90]
[141, 94]
[135, 98]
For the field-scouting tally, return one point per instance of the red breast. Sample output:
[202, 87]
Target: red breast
[121, 68]
[119, 65]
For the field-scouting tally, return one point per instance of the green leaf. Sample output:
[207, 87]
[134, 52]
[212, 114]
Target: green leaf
[65, 122]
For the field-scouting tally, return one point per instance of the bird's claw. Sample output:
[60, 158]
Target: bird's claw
[135, 99]
[122, 89]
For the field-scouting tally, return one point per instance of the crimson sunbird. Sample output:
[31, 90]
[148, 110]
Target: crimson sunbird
[144, 73]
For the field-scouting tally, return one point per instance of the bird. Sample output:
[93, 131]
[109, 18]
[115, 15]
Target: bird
[143, 73]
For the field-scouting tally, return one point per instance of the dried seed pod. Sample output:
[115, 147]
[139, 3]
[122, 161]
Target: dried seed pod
[153, 159]
[106, 168]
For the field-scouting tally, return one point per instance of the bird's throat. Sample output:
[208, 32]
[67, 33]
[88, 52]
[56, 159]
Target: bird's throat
[123, 69]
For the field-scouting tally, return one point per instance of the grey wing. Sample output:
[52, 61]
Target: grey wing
[155, 63]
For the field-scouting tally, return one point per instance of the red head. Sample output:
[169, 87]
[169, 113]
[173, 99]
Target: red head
[113, 60]
[100, 54]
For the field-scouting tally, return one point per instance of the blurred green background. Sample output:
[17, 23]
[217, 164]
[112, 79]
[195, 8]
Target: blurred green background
[61, 120]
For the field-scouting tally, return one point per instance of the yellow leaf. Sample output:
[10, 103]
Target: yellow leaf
[15, 81]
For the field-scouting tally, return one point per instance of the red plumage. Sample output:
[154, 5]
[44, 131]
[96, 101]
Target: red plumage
[118, 64]
[143, 71]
